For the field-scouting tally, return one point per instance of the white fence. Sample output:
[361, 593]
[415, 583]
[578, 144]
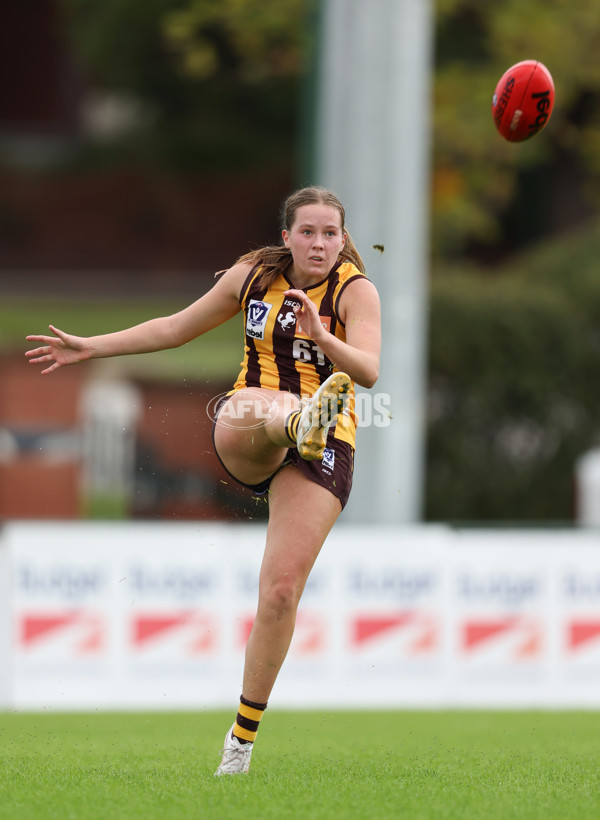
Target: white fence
[156, 615]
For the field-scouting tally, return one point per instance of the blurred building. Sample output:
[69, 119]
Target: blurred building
[115, 224]
[74, 446]
[40, 97]
[72, 228]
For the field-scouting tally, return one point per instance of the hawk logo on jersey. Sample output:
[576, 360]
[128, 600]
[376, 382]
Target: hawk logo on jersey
[258, 313]
[287, 321]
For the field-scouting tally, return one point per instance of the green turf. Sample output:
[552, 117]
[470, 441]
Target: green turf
[463, 765]
[217, 355]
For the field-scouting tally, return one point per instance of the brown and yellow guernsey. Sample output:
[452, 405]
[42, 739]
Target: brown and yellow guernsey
[277, 354]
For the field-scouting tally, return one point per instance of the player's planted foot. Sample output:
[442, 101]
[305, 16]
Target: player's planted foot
[319, 414]
[236, 755]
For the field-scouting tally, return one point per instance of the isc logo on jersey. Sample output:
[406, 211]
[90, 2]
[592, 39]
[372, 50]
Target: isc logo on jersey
[258, 313]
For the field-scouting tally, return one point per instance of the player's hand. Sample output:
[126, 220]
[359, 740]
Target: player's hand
[60, 349]
[307, 315]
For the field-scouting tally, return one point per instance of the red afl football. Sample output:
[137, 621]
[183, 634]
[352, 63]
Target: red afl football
[523, 100]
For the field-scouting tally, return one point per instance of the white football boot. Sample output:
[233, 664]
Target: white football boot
[319, 413]
[236, 755]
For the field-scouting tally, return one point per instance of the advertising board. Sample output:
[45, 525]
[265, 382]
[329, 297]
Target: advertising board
[157, 615]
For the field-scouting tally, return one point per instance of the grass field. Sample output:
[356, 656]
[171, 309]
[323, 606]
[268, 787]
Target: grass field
[314, 765]
[214, 356]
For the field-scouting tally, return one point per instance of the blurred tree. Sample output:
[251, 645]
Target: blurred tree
[218, 76]
[238, 37]
[513, 399]
[221, 79]
[489, 195]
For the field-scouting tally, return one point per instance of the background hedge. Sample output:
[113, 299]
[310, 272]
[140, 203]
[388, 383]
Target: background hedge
[514, 383]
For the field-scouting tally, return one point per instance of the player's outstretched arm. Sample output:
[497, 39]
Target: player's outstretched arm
[212, 309]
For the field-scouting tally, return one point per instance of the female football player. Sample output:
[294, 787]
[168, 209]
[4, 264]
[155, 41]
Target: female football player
[287, 428]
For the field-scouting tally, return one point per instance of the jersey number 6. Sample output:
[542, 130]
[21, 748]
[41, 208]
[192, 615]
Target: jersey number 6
[303, 350]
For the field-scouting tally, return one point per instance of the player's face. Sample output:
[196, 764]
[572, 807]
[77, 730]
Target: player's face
[315, 240]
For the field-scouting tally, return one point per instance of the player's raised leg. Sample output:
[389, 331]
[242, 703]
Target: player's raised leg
[250, 432]
[255, 427]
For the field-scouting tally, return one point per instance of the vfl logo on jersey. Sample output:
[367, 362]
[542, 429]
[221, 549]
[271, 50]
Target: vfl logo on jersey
[328, 458]
[286, 321]
[258, 313]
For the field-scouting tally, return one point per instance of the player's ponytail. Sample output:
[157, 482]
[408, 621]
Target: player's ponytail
[349, 253]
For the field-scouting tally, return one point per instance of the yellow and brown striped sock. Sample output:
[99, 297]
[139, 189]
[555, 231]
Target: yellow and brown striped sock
[291, 426]
[247, 720]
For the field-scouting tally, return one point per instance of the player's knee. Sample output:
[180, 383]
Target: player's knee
[283, 595]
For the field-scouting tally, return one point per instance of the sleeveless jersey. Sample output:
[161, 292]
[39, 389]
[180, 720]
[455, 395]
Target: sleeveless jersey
[277, 354]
